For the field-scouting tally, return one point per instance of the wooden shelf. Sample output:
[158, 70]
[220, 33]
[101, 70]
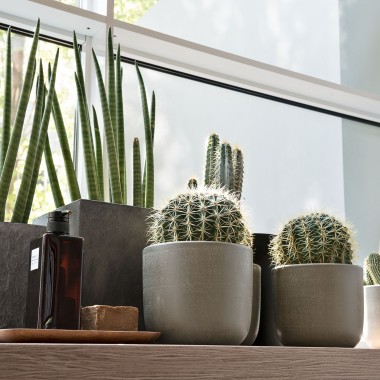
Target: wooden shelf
[84, 361]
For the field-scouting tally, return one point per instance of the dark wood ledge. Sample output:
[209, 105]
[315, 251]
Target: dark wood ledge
[96, 361]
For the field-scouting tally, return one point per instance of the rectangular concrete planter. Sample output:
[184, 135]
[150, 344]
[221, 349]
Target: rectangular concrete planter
[114, 237]
[14, 267]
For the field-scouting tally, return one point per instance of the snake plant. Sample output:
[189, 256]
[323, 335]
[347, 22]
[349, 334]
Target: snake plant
[113, 122]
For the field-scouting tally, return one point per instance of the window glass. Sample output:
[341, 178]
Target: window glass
[333, 40]
[97, 6]
[132, 10]
[295, 160]
[43, 199]
[293, 157]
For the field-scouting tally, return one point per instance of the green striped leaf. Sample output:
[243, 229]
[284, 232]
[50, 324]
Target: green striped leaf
[111, 81]
[120, 125]
[22, 196]
[10, 159]
[65, 148]
[152, 128]
[99, 155]
[149, 194]
[89, 158]
[42, 138]
[137, 201]
[110, 139]
[7, 108]
[82, 99]
[53, 179]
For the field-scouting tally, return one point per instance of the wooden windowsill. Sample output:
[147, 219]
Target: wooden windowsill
[97, 361]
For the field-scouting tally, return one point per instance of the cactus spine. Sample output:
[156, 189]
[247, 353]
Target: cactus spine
[224, 166]
[372, 269]
[313, 238]
[211, 214]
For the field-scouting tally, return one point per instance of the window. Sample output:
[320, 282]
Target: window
[281, 78]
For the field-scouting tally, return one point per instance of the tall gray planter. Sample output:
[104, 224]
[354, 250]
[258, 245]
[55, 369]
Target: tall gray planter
[201, 292]
[114, 237]
[14, 267]
[318, 304]
[371, 331]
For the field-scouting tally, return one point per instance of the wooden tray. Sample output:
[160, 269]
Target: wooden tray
[76, 336]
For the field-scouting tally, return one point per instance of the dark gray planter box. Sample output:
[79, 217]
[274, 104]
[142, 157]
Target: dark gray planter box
[14, 266]
[114, 237]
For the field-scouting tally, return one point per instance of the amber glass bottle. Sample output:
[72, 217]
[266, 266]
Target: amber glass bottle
[55, 277]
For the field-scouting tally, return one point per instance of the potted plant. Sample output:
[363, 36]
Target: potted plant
[317, 292]
[200, 285]
[16, 236]
[371, 330]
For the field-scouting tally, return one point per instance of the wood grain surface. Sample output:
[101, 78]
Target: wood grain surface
[73, 361]
[76, 336]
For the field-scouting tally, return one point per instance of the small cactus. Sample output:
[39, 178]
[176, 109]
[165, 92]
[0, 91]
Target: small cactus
[372, 269]
[224, 166]
[211, 214]
[314, 238]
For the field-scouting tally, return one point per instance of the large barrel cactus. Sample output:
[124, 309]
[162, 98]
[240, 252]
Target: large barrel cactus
[314, 238]
[211, 214]
[372, 269]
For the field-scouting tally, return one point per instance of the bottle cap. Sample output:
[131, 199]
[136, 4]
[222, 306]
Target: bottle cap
[58, 222]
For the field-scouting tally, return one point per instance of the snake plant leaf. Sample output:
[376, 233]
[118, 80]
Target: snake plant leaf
[7, 108]
[22, 196]
[152, 127]
[99, 155]
[10, 159]
[120, 133]
[65, 148]
[42, 138]
[78, 63]
[53, 179]
[111, 81]
[82, 94]
[137, 201]
[90, 164]
[110, 139]
[149, 194]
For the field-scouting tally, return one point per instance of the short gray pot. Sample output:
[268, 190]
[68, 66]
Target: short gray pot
[201, 292]
[371, 331]
[318, 304]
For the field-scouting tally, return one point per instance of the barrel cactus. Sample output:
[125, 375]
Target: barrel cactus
[372, 269]
[210, 214]
[313, 238]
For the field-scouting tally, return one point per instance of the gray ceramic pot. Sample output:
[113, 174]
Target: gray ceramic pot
[201, 292]
[318, 304]
[371, 331]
